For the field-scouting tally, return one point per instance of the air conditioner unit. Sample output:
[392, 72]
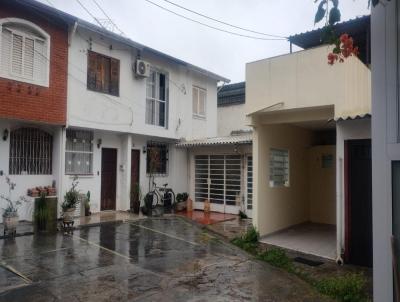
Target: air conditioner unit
[142, 68]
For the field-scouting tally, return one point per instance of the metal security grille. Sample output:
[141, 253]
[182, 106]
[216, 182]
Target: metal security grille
[249, 182]
[218, 178]
[279, 168]
[79, 152]
[31, 152]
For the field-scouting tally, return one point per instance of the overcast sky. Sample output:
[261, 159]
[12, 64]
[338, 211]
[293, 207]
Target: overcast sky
[218, 52]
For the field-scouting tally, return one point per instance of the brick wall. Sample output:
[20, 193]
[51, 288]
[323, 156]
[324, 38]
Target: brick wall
[30, 102]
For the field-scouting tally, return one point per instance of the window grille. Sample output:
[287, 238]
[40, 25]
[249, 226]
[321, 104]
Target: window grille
[79, 152]
[218, 178]
[279, 168]
[31, 152]
[157, 158]
[157, 99]
[249, 182]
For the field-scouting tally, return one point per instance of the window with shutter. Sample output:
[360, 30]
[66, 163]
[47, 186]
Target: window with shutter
[103, 74]
[199, 96]
[25, 52]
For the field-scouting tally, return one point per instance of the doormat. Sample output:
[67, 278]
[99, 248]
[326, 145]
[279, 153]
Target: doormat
[307, 261]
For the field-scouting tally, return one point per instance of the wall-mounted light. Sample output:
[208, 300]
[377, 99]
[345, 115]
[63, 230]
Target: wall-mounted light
[144, 149]
[99, 142]
[5, 134]
[235, 149]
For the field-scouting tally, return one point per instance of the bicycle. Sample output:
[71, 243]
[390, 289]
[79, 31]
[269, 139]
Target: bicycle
[162, 195]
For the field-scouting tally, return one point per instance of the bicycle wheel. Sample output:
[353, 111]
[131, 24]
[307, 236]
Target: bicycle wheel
[171, 196]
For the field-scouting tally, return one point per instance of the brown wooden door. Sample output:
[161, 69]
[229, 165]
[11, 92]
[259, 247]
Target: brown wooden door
[359, 203]
[108, 178]
[135, 171]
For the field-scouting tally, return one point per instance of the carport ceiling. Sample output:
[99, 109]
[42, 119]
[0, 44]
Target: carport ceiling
[316, 125]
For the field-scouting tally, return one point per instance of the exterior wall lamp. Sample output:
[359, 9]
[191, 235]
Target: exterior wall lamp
[5, 134]
[144, 149]
[99, 142]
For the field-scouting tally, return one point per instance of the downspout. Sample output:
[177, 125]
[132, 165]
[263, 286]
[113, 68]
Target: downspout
[339, 213]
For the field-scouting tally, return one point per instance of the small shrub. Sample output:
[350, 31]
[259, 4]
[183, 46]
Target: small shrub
[346, 288]
[277, 257]
[249, 241]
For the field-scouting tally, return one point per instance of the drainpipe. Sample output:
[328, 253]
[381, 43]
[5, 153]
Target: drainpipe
[339, 213]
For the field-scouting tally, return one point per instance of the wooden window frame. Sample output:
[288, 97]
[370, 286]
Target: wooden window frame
[92, 73]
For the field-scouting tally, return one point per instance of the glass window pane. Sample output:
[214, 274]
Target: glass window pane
[195, 99]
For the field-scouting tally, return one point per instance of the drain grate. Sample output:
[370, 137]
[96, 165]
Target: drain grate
[308, 261]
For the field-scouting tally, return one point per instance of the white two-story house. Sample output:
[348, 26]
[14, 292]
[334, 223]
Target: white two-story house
[125, 101]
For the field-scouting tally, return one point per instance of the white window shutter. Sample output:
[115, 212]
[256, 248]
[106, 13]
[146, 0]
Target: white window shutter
[5, 50]
[28, 58]
[195, 97]
[17, 54]
[40, 60]
[202, 102]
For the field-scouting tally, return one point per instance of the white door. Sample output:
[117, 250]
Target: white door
[218, 178]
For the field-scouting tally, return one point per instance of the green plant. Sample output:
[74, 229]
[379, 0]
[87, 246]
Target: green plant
[87, 200]
[277, 257]
[11, 209]
[182, 197]
[350, 287]
[42, 212]
[72, 196]
[242, 215]
[248, 241]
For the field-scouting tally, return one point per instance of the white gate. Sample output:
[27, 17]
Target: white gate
[218, 178]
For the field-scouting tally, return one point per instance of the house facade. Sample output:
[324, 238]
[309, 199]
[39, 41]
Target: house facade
[311, 139]
[220, 167]
[116, 117]
[33, 97]
[78, 101]
[385, 150]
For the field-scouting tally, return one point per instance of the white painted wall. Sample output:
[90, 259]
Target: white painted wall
[176, 178]
[126, 113]
[24, 182]
[346, 130]
[231, 118]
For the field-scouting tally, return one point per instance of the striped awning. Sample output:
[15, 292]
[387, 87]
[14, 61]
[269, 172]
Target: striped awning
[352, 117]
[221, 140]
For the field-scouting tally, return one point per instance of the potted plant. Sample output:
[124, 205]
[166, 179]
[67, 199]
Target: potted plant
[181, 201]
[10, 212]
[41, 213]
[71, 198]
[87, 204]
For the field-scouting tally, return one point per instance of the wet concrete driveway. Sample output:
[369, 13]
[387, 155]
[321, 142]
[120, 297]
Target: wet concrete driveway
[165, 259]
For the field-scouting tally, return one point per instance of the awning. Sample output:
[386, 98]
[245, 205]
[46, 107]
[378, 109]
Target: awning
[352, 117]
[221, 140]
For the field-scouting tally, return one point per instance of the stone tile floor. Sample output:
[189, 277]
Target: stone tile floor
[157, 259]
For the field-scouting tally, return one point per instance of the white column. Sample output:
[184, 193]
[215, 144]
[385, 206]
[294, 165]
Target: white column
[125, 173]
